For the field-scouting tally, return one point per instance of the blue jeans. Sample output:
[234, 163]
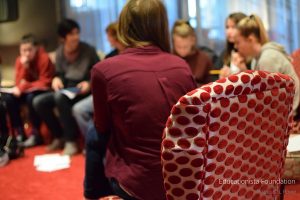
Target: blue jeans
[96, 184]
[83, 113]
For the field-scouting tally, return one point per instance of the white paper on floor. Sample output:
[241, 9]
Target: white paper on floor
[51, 162]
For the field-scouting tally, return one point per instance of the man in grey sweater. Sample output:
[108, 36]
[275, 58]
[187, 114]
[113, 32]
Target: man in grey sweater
[74, 59]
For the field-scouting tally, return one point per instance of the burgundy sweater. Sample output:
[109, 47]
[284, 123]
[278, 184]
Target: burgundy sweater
[133, 95]
[200, 65]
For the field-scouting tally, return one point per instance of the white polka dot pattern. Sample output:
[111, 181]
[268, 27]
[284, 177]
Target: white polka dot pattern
[234, 130]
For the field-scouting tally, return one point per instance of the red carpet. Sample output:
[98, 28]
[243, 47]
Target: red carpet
[20, 181]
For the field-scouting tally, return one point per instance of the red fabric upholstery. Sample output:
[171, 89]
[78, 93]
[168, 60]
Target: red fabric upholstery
[234, 129]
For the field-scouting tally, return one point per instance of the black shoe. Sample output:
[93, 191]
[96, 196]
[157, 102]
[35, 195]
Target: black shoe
[21, 138]
[20, 134]
[13, 148]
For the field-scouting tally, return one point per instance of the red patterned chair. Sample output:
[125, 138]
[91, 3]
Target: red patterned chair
[227, 139]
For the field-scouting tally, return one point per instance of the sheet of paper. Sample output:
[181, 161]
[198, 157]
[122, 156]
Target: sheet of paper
[71, 93]
[7, 90]
[51, 162]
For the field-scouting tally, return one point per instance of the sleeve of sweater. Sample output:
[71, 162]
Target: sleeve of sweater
[19, 72]
[102, 115]
[278, 62]
[271, 62]
[46, 71]
[93, 59]
[59, 72]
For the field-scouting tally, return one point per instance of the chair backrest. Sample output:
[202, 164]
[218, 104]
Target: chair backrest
[227, 139]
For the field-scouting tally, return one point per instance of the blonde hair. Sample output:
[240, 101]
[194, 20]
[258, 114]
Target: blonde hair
[183, 29]
[112, 29]
[142, 23]
[253, 25]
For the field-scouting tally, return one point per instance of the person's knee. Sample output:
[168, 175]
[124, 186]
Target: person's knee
[29, 99]
[77, 110]
[9, 99]
[39, 103]
[95, 140]
[60, 99]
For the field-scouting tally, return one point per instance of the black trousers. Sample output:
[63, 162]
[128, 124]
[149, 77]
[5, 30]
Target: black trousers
[63, 125]
[3, 125]
[13, 106]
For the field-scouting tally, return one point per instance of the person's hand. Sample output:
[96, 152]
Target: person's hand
[57, 84]
[224, 72]
[24, 61]
[16, 92]
[84, 87]
[238, 61]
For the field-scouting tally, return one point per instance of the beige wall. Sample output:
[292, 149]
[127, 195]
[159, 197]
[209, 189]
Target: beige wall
[39, 17]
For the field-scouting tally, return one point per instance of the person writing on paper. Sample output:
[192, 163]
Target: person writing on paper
[252, 40]
[74, 59]
[33, 74]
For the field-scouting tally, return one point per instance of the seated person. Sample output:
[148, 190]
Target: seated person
[230, 61]
[133, 94]
[74, 59]
[83, 110]
[185, 45]
[251, 40]
[34, 72]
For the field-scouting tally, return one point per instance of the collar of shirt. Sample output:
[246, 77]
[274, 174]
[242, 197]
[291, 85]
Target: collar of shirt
[144, 49]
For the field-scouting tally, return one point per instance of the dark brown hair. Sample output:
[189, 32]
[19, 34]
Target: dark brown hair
[142, 23]
[236, 18]
[29, 38]
[66, 26]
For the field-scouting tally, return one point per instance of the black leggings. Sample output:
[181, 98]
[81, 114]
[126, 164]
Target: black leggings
[3, 125]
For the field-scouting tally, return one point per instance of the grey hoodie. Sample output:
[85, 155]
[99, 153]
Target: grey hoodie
[273, 58]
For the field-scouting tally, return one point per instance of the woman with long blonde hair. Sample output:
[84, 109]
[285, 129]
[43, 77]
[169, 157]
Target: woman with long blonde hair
[252, 41]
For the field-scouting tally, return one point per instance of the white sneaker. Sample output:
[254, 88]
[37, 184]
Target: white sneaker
[70, 149]
[56, 144]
